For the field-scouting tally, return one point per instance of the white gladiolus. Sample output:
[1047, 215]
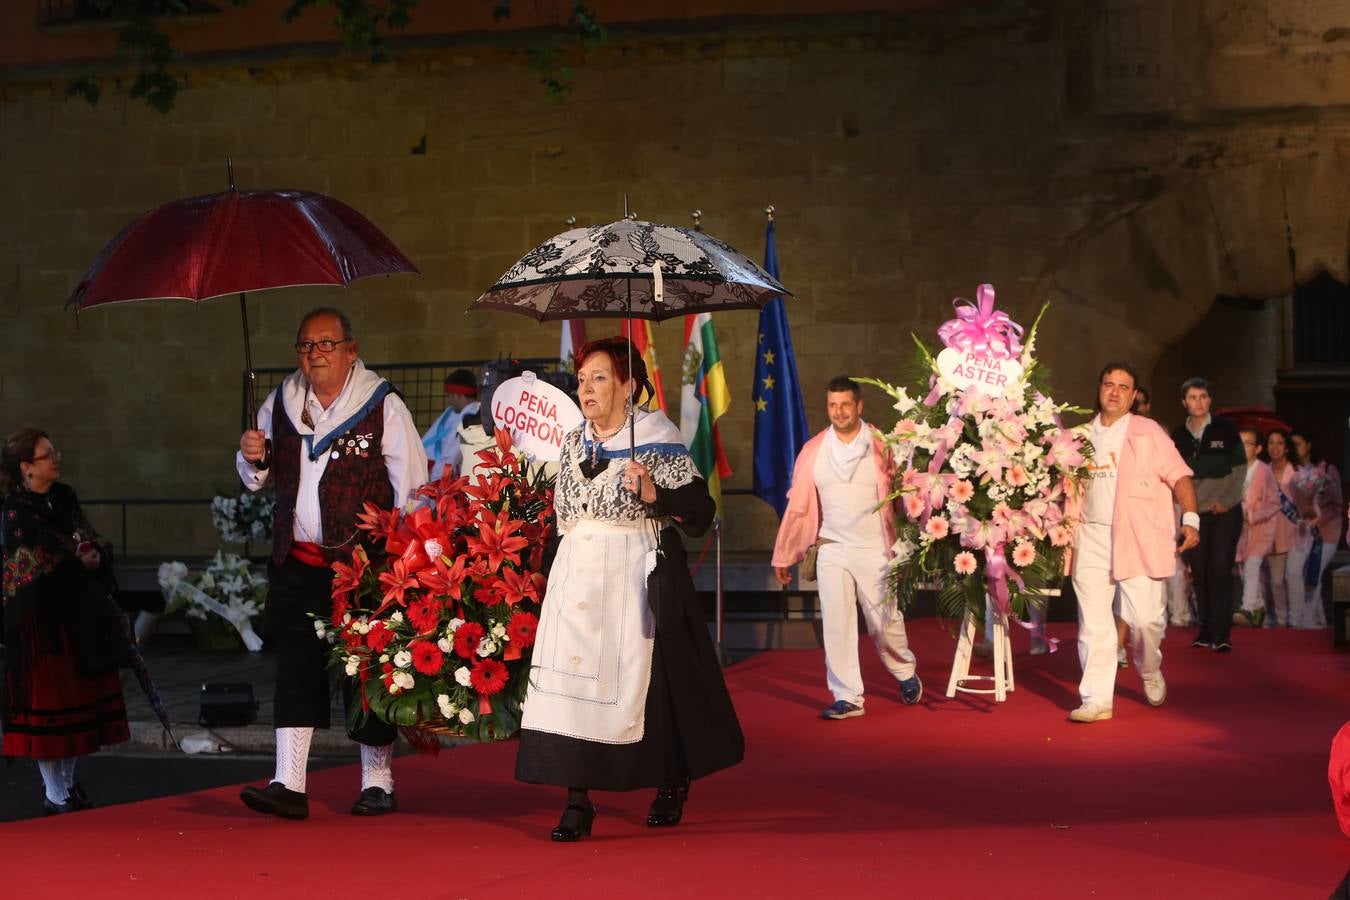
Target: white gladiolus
[462, 675]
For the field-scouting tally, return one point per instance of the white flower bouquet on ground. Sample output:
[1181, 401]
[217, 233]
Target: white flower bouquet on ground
[223, 597]
[245, 518]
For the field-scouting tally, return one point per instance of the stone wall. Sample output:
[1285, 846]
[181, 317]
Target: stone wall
[1127, 161]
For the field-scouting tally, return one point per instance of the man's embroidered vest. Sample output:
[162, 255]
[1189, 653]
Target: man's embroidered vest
[354, 475]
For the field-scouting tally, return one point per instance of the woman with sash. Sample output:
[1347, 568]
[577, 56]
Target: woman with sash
[1285, 581]
[625, 690]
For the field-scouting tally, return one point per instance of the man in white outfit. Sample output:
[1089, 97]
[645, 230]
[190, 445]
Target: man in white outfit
[839, 479]
[1126, 542]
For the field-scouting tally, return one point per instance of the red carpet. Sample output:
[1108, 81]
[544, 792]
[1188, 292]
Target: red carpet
[1220, 793]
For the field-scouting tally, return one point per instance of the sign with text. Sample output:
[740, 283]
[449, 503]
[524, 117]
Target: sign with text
[983, 345]
[985, 371]
[536, 414]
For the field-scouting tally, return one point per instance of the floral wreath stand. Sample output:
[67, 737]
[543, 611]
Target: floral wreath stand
[1002, 678]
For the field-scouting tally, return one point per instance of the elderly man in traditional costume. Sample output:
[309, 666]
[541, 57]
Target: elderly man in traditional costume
[837, 507]
[625, 690]
[333, 437]
[1126, 543]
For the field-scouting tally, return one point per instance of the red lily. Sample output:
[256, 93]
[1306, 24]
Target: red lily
[497, 540]
[516, 586]
[396, 581]
[379, 522]
[441, 580]
[347, 579]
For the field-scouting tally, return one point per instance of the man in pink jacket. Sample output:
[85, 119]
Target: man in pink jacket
[1126, 542]
[839, 479]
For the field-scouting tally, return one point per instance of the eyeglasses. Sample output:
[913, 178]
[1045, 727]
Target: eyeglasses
[325, 346]
[54, 456]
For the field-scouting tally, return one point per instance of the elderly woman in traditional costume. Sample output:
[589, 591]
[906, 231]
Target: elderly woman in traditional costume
[625, 691]
[63, 697]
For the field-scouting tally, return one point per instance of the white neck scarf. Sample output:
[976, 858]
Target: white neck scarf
[295, 391]
[844, 458]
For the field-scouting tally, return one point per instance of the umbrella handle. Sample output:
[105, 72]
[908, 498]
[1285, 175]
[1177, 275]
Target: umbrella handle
[266, 461]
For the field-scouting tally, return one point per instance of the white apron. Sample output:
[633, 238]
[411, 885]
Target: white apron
[592, 661]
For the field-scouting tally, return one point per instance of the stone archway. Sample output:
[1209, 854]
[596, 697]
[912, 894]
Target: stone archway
[1129, 288]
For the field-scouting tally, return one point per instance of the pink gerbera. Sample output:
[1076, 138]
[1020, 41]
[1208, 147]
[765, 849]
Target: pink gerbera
[1024, 554]
[913, 506]
[1059, 536]
[937, 527]
[961, 491]
[964, 563]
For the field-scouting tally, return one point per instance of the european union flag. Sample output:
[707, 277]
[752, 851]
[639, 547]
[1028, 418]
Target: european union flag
[780, 416]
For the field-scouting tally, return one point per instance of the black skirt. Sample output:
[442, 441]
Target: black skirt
[691, 729]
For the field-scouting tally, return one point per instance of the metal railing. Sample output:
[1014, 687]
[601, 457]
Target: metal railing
[421, 384]
[124, 503]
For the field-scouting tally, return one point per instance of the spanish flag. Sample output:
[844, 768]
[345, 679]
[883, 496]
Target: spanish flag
[645, 342]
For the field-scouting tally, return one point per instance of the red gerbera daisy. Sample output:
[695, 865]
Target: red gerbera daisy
[427, 657]
[521, 629]
[424, 614]
[488, 676]
[378, 637]
[467, 637]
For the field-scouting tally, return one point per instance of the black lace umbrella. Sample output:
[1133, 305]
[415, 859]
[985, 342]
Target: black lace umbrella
[630, 270]
[607, 271]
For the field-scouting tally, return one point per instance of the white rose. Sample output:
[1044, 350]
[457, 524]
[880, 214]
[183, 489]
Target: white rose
[465, 716]
[394, 688]
[402, 659]
[499, 631]
[487, 646]
[453, 625]
[346, 618]
[396, 617]
[384, 657]
[462, 675]
[444, 645]
[352, 669]
[318, 629]
[404, 680]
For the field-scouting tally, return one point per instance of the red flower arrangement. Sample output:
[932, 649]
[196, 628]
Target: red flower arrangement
[437, 620]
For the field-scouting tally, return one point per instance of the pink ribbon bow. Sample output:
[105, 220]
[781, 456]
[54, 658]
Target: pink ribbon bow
[978, 328]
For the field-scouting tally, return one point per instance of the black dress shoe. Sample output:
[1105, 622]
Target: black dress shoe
[57, 809]
[668, 807]
[375, 802]
[575, 823]
[78, 795]
[276, 800]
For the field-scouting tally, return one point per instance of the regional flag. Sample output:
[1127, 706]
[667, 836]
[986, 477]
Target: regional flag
[780, 416]
[645, 342]
[703, 400]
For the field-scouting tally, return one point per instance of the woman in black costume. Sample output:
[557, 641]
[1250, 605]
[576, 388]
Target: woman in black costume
[625, 687]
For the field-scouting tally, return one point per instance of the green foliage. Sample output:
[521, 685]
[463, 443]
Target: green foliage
[362, 24]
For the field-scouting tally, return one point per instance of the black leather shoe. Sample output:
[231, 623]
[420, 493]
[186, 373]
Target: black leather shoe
[668, 807]
[575, 823]
[375, 802]
[276, 800]
[77, 795]
[58, 809]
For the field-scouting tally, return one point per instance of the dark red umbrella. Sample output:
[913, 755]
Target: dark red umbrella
[1260, 418]
[235, 242]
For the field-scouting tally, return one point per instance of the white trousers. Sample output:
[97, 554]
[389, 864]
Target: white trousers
[1253, 592]
[1178, 594]
[1305, 603]
[1141, 607]
[849, 577]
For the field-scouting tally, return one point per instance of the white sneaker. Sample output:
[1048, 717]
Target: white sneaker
[1090, 712]
[1155, 689]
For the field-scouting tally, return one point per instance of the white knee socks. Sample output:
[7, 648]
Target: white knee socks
[293, 757]
[377, 768]
[57, 777]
